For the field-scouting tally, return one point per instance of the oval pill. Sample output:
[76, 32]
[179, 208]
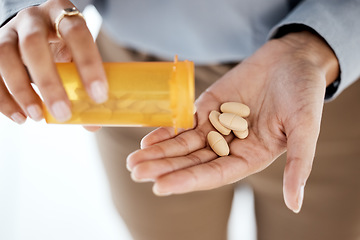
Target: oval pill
[235, 107]
[214, 119]
[241, 134]
[233, 121]
[218, 143]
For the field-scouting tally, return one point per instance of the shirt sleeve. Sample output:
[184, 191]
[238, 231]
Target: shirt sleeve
[337, 22]
[9, 8]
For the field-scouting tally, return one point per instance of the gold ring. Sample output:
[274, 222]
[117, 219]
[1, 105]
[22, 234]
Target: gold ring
[67, 12]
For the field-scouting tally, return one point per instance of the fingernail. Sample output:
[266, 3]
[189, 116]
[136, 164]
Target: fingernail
[18, 118]
[300, 199]
[134, 178]
[158, 193]
[61, 111]
[35, 112]
[128, 167]
[99, 91]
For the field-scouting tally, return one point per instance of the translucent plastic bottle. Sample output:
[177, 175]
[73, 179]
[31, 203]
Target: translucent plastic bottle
[140, 94]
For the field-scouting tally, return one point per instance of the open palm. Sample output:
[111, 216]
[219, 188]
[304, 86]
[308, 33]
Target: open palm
[285, 92]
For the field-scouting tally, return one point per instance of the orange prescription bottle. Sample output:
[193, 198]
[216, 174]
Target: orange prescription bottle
[140, 94]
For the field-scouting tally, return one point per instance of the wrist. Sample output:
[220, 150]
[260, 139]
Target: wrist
[314, 48]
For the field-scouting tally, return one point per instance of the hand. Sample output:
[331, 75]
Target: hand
[284, 84]
[29, 48]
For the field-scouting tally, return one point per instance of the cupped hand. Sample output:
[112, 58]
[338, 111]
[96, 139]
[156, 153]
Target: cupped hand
[284, 84]
[29, 48]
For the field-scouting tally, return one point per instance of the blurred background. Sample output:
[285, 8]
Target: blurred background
[53, 185]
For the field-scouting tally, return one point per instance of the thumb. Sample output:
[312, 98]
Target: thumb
[301, 145]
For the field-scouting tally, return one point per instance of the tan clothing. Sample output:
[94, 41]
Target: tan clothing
[332, 195]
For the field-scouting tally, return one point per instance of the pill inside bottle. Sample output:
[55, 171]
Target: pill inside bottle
[140, 94]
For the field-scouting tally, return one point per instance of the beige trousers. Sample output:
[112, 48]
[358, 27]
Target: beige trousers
[331, 207]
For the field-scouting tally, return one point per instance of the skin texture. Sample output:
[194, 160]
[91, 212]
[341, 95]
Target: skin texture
[29, 49]
[284, 84]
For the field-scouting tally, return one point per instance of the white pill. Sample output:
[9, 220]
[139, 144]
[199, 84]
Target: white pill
[214, 119]
[218, 143]
[235, 107]
[241, 134]
[233, 121]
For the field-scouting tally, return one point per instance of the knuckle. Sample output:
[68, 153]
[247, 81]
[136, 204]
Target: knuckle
[6, 46]
[32, 38]
[62, 53]
[87, 63]
[143, 170]
[202, 136]
[195, 160]
[60, 2]
[182, 142]
[160, 149]
[193, 176]
[20, 91]
[27, 13]
[170, 164]
[77, 28]
[216, 167]
[48, 86]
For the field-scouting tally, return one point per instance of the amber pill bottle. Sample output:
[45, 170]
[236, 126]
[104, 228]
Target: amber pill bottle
[140, 94]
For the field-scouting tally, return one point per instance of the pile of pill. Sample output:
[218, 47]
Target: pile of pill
[231, 118]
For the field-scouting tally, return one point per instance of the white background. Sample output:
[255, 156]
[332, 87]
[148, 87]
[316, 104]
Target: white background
[53, 185]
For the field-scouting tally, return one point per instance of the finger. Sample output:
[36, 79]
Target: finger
[247, 157]
[300, 154]
[36, 54]
[163, 133]
[153, 169]
[180, 145]
[92, 128]
[16, 76]
[60, 51]
[9, 107]
[219, 172]
[85, 55]
[159, 135]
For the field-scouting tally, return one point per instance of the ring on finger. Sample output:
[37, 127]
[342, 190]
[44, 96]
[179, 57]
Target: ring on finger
[67, 12]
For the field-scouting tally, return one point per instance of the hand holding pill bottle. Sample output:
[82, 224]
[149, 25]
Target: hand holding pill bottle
[140, 94]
